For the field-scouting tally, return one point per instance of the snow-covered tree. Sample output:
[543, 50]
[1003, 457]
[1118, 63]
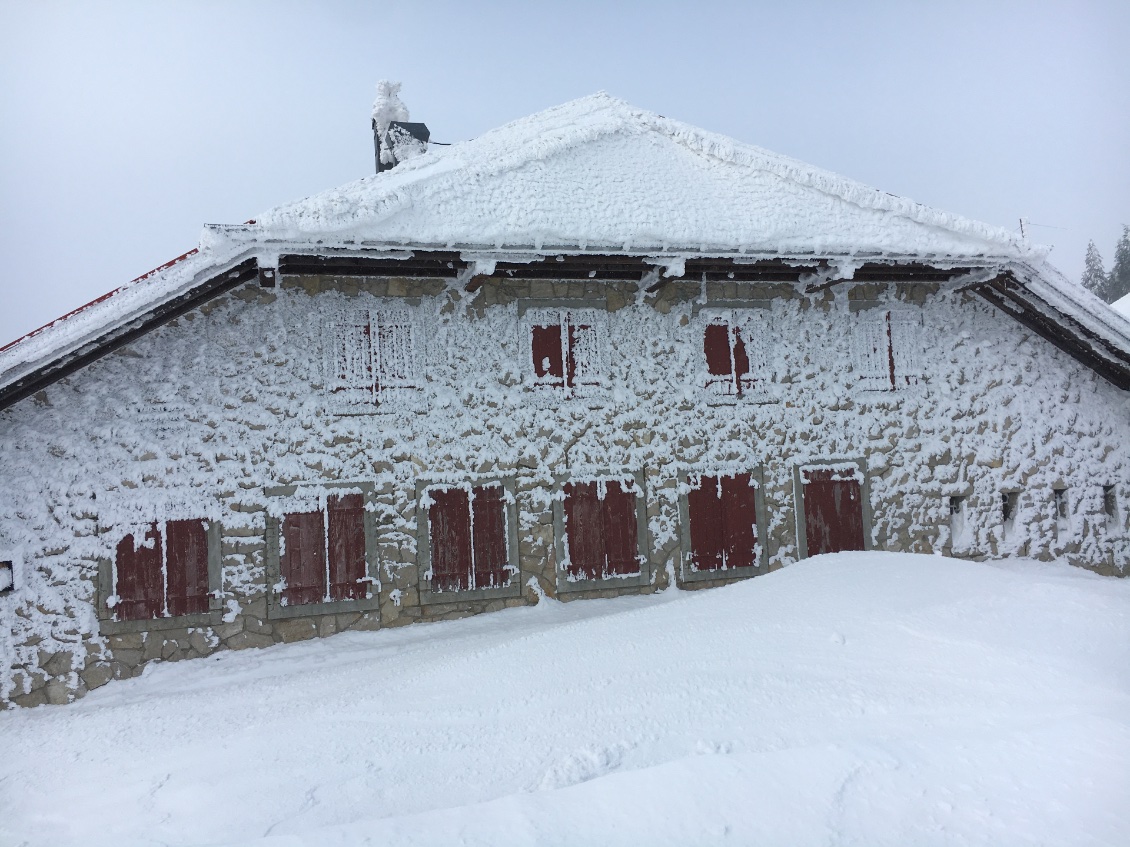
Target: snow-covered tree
[1094, 275]
[1118, 283]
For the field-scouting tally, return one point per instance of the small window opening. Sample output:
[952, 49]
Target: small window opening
[1008, 510]
[1061, 513]
[1110, 506]
[957, 521]
[7, 578]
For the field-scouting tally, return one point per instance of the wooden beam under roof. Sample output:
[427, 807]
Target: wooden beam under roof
[95, 349]
[1074, 339]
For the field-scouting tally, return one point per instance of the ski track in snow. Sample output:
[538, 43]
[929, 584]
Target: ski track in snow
[856, 698]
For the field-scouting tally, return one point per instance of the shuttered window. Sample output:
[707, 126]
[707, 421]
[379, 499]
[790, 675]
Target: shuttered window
[317, 566]
[601, 532]
[887, 349]
[163, 574]
[370, 358]
[568, 348]
[728, 367]
[468, 538]
[723, 522]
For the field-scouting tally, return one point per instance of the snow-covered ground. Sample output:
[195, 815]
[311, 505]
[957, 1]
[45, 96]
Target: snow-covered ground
[850, 699]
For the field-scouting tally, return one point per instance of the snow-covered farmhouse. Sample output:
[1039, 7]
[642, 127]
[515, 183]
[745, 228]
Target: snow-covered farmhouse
[592, 352]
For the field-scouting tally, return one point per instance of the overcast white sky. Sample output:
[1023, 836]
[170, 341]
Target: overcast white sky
[127, 126]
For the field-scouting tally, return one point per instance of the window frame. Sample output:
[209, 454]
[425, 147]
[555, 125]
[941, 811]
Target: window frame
[643, 547]
[540, 313]
[434, 596]
[275, 608]
[686, 572]
[109, 625]
[407, 397]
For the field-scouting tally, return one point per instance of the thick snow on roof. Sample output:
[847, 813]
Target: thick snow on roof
[599, 173]
[593, 174]
[1122, 306]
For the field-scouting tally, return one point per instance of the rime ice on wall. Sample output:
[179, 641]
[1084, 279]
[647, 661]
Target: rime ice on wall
[200, 417]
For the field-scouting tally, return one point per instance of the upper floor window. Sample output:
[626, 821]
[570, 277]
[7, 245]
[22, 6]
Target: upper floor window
[372, 359]
[568, 348]
[888, 349]
[725, 344]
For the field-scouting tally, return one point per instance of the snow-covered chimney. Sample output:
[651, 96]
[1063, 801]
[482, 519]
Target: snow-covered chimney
[394, 138]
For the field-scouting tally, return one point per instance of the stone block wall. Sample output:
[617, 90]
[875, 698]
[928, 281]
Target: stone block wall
[206, 415]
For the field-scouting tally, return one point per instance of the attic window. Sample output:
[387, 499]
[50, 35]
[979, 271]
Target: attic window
[887, 350]
[728, 368]
[371, 359]
[568, 348]
[7, 578]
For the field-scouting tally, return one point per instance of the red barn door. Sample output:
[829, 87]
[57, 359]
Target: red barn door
[833, 511]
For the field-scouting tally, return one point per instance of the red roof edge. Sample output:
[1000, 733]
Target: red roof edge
[105, 296]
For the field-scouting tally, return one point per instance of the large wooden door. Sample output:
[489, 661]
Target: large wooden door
[833, 510]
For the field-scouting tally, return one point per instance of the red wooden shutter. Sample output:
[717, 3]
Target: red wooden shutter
[833, 512]
[583, 531]
[489, 524]
[716, 346]
[742, 376]
[621, 545]
[186, 563]
[347, 546]
[739, 522]
[140, 586]
[450, 522]
[545, 346]
[302, 564]
[706, 520]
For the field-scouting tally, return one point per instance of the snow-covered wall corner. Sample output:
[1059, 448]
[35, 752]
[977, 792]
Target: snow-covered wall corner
[214, 414]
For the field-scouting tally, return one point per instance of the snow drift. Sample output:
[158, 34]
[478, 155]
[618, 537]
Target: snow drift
[857, 698]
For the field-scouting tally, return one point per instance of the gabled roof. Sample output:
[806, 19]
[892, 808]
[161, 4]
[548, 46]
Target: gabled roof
[611, 187]
[597, 173]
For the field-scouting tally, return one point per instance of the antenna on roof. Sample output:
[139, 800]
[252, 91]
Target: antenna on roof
[1023, 234]
[394, 138]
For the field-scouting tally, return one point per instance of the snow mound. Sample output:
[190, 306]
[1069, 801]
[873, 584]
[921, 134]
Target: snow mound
[857, 698]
